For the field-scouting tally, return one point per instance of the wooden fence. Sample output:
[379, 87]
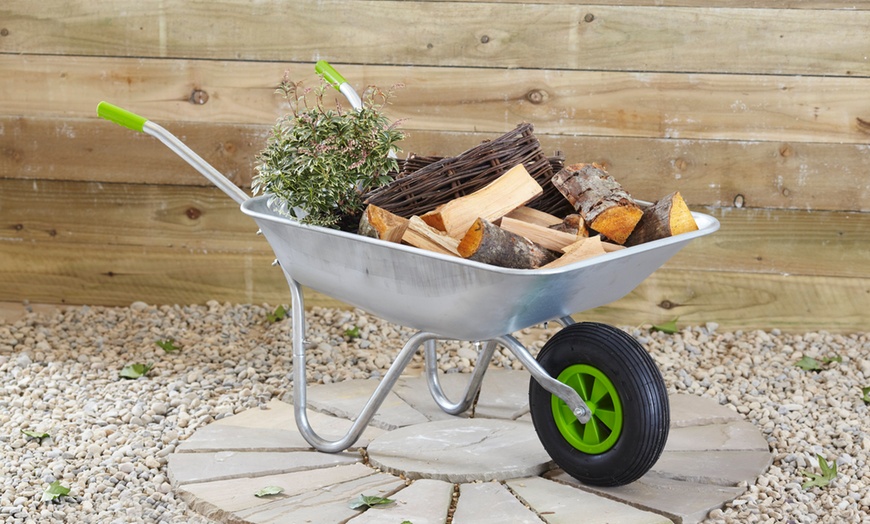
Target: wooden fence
[758, 111]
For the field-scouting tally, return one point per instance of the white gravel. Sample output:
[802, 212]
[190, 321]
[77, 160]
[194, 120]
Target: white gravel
[109, 437]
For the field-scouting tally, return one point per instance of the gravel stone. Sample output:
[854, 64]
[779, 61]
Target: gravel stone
[110, 437]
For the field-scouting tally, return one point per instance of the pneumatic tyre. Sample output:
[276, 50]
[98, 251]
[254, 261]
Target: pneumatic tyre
[625, 391]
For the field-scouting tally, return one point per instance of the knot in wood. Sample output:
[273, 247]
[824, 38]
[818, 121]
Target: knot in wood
[739, 200]
[484, 39]
[537, 96]
[786, 150]
[589, 18]
[667, 304]
[4, 32]
[198, 97]
[193, 213]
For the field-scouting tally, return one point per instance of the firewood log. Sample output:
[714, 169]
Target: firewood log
[486, 242]
[506, 193]
[605, 206]
[379, 223]
[667, 217]
[543, 236]
[420, 234]
[580, 250]
[572, 223]
[534, 216]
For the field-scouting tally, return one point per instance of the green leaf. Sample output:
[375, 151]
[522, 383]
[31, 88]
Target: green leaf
[268, 491]
[39, 435]
[811, 364]
[54, 491]
[352, 333]
[865, 392]
[278, 315]
[808, 364]
[134, 371]
[168, 345]
[365, 501]
[668, 327]
[829, 473]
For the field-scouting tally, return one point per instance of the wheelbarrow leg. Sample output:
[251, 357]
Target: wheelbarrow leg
[300, 384]
[455, 408]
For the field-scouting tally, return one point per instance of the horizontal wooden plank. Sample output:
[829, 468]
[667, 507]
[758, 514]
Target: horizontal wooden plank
[125, 274]
[200, 220]
[707, 172]
[565, 35]
[654, 105]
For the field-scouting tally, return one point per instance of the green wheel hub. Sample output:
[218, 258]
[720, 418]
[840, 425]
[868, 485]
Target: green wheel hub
[603, 429]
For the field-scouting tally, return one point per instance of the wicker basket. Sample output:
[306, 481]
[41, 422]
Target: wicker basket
[427, 182]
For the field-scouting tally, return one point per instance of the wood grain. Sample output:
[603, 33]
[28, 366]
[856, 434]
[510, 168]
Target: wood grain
[202, 220]
[552, 35]
[707, 172]
[577, 103]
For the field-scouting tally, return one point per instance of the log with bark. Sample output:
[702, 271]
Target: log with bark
[379, 223]
[604, 205]
[486, 242]
[667, 217]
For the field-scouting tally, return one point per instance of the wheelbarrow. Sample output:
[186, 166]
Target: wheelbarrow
[597, 400]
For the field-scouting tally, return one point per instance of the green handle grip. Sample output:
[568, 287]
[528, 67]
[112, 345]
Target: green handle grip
[121, 116]
[329, 73]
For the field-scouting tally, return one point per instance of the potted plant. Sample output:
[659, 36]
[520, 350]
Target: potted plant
[320, 160]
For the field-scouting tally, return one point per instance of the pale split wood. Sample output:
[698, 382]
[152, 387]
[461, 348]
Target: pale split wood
[420, 234]
[509, 191]
[543, 236]
[534, 216]
[583, 249]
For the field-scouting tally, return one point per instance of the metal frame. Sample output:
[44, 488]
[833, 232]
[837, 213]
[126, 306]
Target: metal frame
[427, 340]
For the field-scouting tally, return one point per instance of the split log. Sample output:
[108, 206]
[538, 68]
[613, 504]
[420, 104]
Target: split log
[572, 224]
[581, 250]
[543, 236]
[506, 193]
[534, 216]
[420, 234]
[379, 223]
[605, 206]
[667, 217]
[486, 242]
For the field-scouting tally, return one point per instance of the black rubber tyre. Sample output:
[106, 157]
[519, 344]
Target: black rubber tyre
[627, 436]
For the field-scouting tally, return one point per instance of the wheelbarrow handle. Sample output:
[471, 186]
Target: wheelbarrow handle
[135, 122]
[332, 76]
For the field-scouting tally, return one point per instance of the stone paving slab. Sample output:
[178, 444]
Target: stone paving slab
[491, 503]
[737, 435]
[222, 500]
[268, 430]
[322, 505]
[691, 410]
[563, 504]
[682, 502]
[415, 392]
[346, 400]
[461, 450]
[187, 468]
[425, 501]
[724, 468]
[711, 450]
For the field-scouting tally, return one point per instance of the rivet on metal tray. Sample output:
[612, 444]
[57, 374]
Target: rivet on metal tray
[276, 263]
[198, 97]
[259, 232]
